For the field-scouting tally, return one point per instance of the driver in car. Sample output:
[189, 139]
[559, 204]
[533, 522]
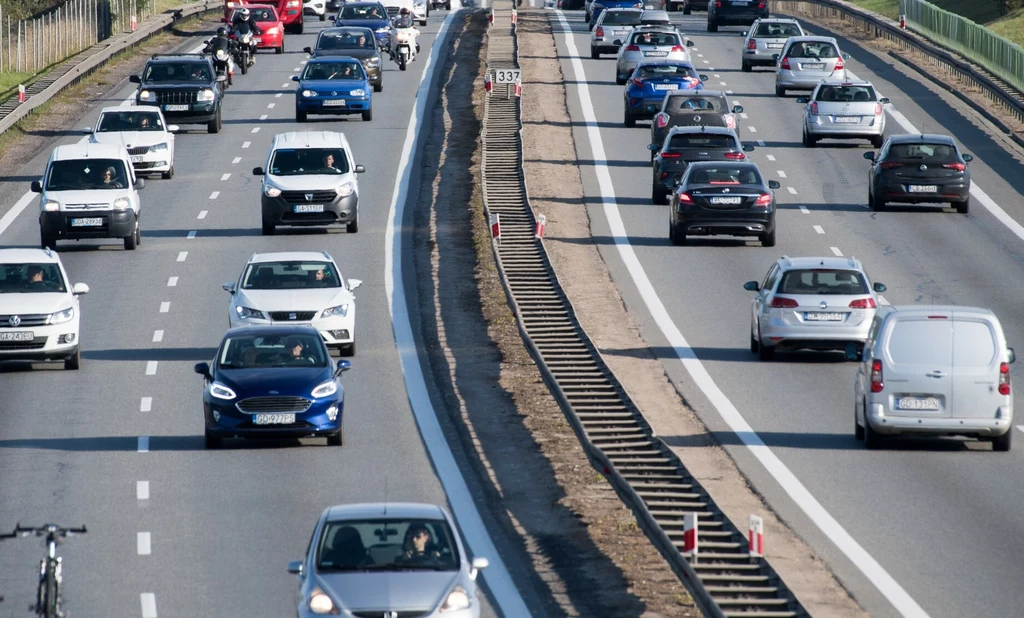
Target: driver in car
[297, 350]
[417, 545]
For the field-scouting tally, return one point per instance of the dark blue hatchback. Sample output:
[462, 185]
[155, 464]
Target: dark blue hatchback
[273, 382]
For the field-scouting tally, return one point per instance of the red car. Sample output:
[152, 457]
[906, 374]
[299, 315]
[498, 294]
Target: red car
[290, 11]
[266, 20]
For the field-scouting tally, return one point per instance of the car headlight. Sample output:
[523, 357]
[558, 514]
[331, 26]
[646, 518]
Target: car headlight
[122, 203]
[147, 95]
[51, 205]
[309, 94]
[346, 189]
[358, 92]
[270, 190]
[339, 311]
[160, 146]
[247, 313]
[372, 62]
[272, 30]
[61, 316]
[457, 599]
[220, 391]
[325, 390]
[206, 95]
[320, 603]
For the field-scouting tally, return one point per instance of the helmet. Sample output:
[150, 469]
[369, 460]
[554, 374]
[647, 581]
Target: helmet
[222, 31]
[244, 13]
[404, 11]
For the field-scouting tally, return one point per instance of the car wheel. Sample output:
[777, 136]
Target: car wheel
[877, 141]
[336, 439]
[712, 26]
[963, 207]
[268, 228]
[687, 10]
[768, 239]
[858, 430]
[279, 49]
[447, 6]
[353, 227]
[872, 439]
[594, 54]
[1003, 443]
[74, 361]
[214, 125]
[745, 66]
[130, 240]
[658, 195]
[423, 22]
[168, 174]
[379, 86]
[300, 116]
[47, 242]
[780, 92]
[348, 350]
[628, 120]
[368, 115]
[138, 235]
[211, 442]
[299, 28]
[619, 80]
[765, 352]
[324, 16]
[676, 236]
[754, 343]
[875, 204]
[809, 141]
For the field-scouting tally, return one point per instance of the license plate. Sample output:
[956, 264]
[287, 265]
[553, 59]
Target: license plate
[923, 188]
[774, 45]
[819, 316]
[847, 119]
[666, 87]
[812, 65]
[90, 222]
[655, 54]
[917, 403]
[740, 2]
[273, 419]
[17, 336]
[623, 32]
[726, 200]
[137, 158]
[176, 108]
[334, 103]
[309, 208]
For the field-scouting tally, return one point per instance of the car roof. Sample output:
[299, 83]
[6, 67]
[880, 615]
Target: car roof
[946, 310]
[793, 263]
[665, 61]
[178, 57]
[387, 510]
[275, 330]
[777, 20]
[23, 255]
[131, 108]
[908, 138]
[309, 139]
[812, 38]
[340, 29]
[696, 93]
[831, 81]
[362, 3]
[656, 28]
[88, 150]
[655, 13]
[622, 9]
[703, 164]
[702, 129]
[289, 256]
[330, 59]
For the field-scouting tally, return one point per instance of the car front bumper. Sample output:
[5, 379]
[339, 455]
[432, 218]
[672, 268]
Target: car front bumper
[154, 161]
[884, 423]
[282, 212]
[49, 342]
[197, 113]
[114, 224]
[272, 41]
[319, 7]
[353, 105]
[225, 420]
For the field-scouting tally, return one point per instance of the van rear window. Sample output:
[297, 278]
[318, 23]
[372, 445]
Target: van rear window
[704, 140]
[921, 342]
[973, 344]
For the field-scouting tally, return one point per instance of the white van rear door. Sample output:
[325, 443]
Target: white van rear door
[918, 372]
[975, 369]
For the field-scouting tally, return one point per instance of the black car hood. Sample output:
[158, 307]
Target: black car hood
[178, 85]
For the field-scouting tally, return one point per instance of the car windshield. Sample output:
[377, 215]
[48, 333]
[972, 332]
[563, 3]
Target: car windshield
[823, 281]
[702, 104]
[621, 18]
[655, 38]
[31, 278]
[812, 49]
[387, 545]
[177, 72]
[650, 71]
[703, 140]
[258, 14]
[333, 71]
[113, 122]
[290, 275]
[921, 151]
[846, 94]
[362, 12]
[777, 31]
[308, 161]
[358, 39]
[253, 350]
[725, 175]
[80, 174]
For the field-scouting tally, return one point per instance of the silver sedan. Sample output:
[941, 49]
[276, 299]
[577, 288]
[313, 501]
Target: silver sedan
[844, 110]
[650, 42]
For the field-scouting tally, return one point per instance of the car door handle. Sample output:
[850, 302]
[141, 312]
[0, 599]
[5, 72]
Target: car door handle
[935, 374]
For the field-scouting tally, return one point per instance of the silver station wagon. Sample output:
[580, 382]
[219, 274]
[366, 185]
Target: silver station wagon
[649, 43]
[806, 60]
[766, 38]
[844, 110]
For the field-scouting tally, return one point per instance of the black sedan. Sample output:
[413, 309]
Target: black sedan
[718, 198]
[915, 169]
[685, 145]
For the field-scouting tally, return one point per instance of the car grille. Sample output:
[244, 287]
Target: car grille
[35, 344]
[309, 217]
[176, 96]
[104, 206]
[259, 405]
[316, 197]
[286, 316]
[138, 150]
[377, 613]
[145, 165]
[393, 10]
[26, 320]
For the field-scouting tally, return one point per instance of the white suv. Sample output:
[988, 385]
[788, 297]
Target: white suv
[38, 309]
[296, 287]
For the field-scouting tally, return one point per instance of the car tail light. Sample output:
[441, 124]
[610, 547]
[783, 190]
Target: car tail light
[814, 108]
[878, 109]
[863, 303]
[781, 302]
[765, 200]
[670, 155]
[761, 4]
[637, 82]
[784, 64]
[752, 44]
[677, 49]
[664, 175]
[599, 31]
[839, 64]
[718, 4]
[662, 119]
[955, 166]
[735, 155]
[1004, 378]
[888, 165]
[632, 47]
[876, 376]
[685, 199]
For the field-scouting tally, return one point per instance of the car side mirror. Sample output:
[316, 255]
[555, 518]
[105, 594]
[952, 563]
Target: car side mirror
[135, 79]
[884, 101]
[652, 147]
[870, 156]
[257, 171]
[295, 78]
[774, 184]
[752, 286]
[775, 57]
[354, 283]
[308, 50]
[173, 128]
[477, 565]
[737, 109]
[878, 287]
[228, 287]
[295, 567]
[87, 130]
[846, 56]
[748, 148]
[140, 184]
[360, 169]
[79, 288]
[689, 43]
[342, 367]
[36, 187]
[968, 158]
[703, 78]
[803, 99]
[854, 352]
[333, 17]
[1011, 357]
[203, 369]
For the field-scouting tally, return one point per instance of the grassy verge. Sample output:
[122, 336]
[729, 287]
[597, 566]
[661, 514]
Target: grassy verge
[1010, 26]
[10, 81]
[889, 8]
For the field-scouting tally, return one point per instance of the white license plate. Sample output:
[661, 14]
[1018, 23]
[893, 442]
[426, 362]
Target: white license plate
[847, 119]
[90, 222]
[774, 45]
[17, 336]
[334, 103]
[923, 188]
[740, 2]
[726, 200]
[309, 208]
[655, 54]
[176, 108]
[917, 403]
[273, 419]
[622, 32]
[137, 158]
[821, 316]
[666, 87]
[812, 65]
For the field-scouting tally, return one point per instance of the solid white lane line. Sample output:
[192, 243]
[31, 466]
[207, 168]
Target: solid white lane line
[796, 490]
[819, 229]
[752, 129]
[836, 251]
[770, 157]
[255, 130]
[143, 444]
[142, 490]
[804, 210]
[214, 195]
[151, 367]
[165, 306]
[191, 235]
[224, 177]
[791, 190]
[182, 255]
[782, 174]
[263, 117]
[158, 336]
[882, 300]
[497, 577]
[144, 543]
[202, 214]
[172, 282]
[245, 144]
[236, 160]
[146, 405]
[148, 605]
[1021, 427]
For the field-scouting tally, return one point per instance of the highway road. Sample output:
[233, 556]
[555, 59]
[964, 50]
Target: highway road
[176, 530]
[924, 528]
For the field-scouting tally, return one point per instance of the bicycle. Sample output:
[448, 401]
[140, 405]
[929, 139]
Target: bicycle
[48, 597]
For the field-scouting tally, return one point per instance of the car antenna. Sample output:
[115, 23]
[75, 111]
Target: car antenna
[385, 494]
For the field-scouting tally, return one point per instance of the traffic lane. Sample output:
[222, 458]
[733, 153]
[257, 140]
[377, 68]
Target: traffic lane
[689, 286]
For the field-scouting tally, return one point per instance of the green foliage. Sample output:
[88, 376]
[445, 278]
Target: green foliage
[22, 9]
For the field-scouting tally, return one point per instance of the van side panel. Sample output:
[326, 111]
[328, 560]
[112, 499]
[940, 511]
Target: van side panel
[976, 357]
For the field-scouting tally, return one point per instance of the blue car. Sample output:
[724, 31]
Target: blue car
[370, 15]
[649, 83]
[596, 6]
[273, 382]
[336, 85]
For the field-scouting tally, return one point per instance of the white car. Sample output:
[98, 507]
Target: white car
[38, 308]
[143, 131]
[420, 9]
[296, 287]
[315, 7]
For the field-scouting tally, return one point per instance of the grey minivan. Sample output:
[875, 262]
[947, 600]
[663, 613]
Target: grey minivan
[806, 60]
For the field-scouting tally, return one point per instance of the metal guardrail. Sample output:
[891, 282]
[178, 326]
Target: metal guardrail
[724, 579]
[81, 65]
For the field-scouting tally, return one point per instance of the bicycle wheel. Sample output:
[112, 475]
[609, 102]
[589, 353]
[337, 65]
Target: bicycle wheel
[51, 602]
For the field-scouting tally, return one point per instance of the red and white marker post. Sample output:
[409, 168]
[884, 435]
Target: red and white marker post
[903, 22]
[755, 537]
[518, 89]
[690, 535]
[513, 19]
[538, 229]
[21, 93]
[134, 23]
[488, 86]
[496, 228]
[490, 17]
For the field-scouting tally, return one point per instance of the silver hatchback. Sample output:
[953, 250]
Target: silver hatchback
[844, 110]
[806, 60]
[650, 42]
[816, 303]
[766, 38]
[612, 28]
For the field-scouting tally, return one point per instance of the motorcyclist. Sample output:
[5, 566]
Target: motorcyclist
[244, 15]
[222, 42]
[404, 21]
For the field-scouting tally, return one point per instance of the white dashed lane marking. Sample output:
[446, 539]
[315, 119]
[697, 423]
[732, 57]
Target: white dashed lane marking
[172, 282]
[146, 405]
[743, 115]
[246, 144]
[224, 177]
[770, 157]
[255, 129]
[236, 160]
[717, 75]
[165, 306]
[144, 543]
[202, 214]
[191, 235]
[819, 229]
[1021, 427]
[214, 195]
[285, 85]
[158, 336]
[143, 444]
[782, 174]
[760, 143]
[271, 105]
[791, 190]
[148, 604]
[151, 367]
[836, 251]
[804, 209]
[752, 129]
[723, 84]
[182, 256]
[882, 300]
[278, 95]
[263, 117]
[142, 490]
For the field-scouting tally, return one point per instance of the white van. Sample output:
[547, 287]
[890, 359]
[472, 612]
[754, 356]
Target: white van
[89, 191]
[934, 370]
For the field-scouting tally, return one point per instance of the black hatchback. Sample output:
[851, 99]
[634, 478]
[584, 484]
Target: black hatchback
[723, 199]
[735, 13]
[685, 145]
[916, 169]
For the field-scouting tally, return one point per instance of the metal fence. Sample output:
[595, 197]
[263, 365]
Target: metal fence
[31, 45]
[1000, 56]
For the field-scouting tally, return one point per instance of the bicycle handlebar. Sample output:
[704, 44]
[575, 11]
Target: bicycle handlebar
[44, 530]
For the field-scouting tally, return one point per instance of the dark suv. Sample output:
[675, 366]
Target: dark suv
[735, 13]
[685, 145]
[185, 87]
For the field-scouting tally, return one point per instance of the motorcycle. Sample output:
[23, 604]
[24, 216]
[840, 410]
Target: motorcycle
[222, 62]
[245, 53]
[404, 45]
